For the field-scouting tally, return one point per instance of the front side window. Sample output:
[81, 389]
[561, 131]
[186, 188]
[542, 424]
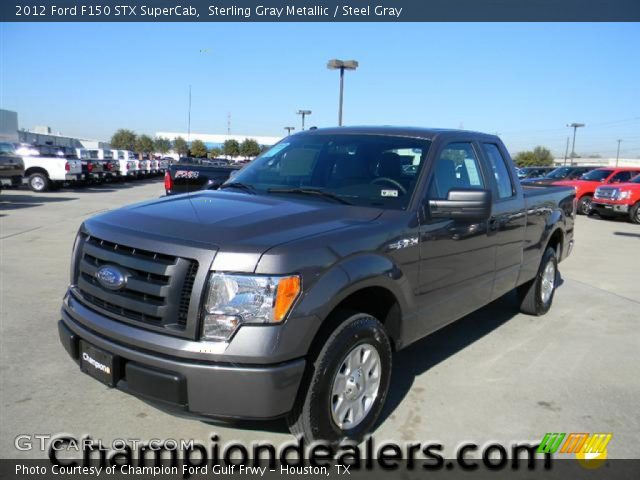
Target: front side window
[456, 167]
[596, 175]
[366, 170]
[499, 169]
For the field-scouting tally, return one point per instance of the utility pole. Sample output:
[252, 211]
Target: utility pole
[575, 127]
[288, 129]
[566, 151]
[189, 118]
[618, 152]
[228, 123]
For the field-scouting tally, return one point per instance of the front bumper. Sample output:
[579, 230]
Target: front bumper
[195, 387]
[610, 208]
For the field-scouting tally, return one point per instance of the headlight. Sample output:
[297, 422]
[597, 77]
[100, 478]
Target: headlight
[233, 300]
[624, 194]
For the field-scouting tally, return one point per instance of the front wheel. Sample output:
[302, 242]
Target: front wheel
[634, 213]
[536, 296]
[584, 205]
[344, 395]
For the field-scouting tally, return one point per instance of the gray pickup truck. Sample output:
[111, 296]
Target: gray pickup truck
[286, 292]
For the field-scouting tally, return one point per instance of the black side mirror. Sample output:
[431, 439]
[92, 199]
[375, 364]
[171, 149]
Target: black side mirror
[463, 204]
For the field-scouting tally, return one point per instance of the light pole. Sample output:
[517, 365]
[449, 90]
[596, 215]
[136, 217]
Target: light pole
[575, 127]
[618, 152]
[303, 113]
[288, 129]
[341, 65]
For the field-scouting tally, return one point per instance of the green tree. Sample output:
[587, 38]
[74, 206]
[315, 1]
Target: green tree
[249, 148]
[124, 139]
[231, 148]
[538, 157]
[162, 145]
[215, 152]
[180, 146]
[144, 144]
[198, 149]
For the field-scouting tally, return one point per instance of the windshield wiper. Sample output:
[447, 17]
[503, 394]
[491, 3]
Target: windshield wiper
[240, 186]
[310, 191]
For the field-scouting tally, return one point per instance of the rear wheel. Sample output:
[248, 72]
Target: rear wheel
[39, 182]
[344, 394]
[536, 296]
[634, 213]
[584, 205]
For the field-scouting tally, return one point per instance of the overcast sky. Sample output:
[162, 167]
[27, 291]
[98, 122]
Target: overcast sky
[523, 81]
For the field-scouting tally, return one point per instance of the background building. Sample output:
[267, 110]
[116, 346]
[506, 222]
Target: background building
[8, 126]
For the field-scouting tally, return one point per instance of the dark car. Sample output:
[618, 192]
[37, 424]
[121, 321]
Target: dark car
[287, 291]
[560, 173]
[11, 166]
[533, 172]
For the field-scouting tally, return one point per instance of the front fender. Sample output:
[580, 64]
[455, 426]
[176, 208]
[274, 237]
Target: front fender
[347, 277]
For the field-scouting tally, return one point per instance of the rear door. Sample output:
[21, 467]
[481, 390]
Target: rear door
[457, 257]
[508, 218]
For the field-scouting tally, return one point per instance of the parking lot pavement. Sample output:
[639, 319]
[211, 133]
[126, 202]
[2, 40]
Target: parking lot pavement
[495, 375]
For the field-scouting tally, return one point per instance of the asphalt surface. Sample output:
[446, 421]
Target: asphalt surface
[495, 375]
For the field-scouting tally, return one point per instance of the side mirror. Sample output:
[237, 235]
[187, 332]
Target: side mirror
[463, 204]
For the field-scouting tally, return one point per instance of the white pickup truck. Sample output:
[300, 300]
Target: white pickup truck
[47, 173]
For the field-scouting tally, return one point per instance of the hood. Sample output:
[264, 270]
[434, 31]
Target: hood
[234, 221]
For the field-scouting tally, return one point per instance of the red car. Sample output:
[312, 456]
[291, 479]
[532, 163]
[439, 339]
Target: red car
[586, 185]
[620, 200]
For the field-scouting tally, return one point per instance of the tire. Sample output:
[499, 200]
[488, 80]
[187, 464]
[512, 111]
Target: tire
[535, 297]
[359, 336]
[634, 213]
[39, 182]
[584, 205]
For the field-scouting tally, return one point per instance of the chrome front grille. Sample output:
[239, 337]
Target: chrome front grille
[157, 291]
[605, 193]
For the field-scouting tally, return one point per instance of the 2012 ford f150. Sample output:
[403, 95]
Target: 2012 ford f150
[286, 291]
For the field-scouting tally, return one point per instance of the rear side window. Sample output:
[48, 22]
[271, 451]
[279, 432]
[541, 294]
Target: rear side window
[499, 169]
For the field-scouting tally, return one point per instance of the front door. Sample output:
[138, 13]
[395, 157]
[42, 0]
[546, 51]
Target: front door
[457, 257]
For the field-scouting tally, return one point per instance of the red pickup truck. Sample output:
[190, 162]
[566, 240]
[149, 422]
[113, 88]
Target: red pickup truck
[623, 199]
[586, 185]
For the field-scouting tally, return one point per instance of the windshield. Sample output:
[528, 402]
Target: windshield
[635, 179]
[596, 175]
[366, 170]
[561, 172]
[7, 148]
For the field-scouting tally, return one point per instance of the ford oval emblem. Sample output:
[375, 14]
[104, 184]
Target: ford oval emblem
[111, 277]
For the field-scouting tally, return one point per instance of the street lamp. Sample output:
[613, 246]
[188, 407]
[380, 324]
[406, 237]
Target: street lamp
[341, 65]
[575, 127]
[618, 152]
[304, 113]
[288, 129]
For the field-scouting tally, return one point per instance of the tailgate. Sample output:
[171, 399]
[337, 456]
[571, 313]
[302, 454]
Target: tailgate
[186, 179]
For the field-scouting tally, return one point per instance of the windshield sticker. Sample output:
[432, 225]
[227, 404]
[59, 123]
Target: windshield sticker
[389, 193]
